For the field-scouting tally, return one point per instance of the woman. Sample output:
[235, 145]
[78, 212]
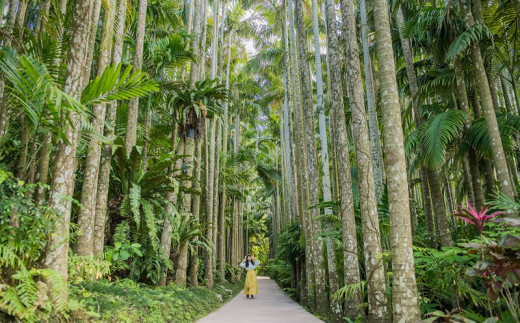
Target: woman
[251, 285]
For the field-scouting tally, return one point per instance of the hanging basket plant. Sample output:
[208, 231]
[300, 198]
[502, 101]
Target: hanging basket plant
[196, 104]
[193, 120]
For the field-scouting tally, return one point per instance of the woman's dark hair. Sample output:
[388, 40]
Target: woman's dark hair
[247, 260]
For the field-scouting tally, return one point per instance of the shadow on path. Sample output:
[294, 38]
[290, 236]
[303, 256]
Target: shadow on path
[270, 305]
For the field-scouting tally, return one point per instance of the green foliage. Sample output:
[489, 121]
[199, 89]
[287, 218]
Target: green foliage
[24, 229]
[126, 301]
[123, 250]
[430, 141]
[83, 268]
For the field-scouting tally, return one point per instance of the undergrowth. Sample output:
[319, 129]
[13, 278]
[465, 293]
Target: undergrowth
[126, 301]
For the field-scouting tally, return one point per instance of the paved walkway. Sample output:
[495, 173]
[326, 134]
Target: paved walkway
[270, 305]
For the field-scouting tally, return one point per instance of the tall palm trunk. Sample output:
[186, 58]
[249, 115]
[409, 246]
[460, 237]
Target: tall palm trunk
[378, 310]
[404, 291]
[87, 69]
[440, 208]
[339, 134]
[499, 158]
[46, 139]
[336, 307]
[194, 75]
[209, 202]
[182, 259]
[195, 209]
[311, 165]
[62, 184]
[87, 214]
[373, 125]
[429, 204]
[8, 38]
[106, 152]
[216, 194]
[172, 197]
[131, 126]
[462, 97]
[300, 155]
[289, 135]
[222, 223]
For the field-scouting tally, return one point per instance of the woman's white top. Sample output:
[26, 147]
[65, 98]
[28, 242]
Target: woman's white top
[252, 265]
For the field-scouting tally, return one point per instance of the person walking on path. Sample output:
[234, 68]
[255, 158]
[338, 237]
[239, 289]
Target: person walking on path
[251, 285]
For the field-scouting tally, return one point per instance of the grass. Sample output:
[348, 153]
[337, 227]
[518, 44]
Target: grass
[125, 301]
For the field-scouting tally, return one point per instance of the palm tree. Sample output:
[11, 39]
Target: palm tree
[373, 125]
[375, 272]
[502, 172]
[106, 153]
[339, 134]
[311, 165]
[87, 215]
[131, 127]
[404, 291]
[62, 183]
[327, 195]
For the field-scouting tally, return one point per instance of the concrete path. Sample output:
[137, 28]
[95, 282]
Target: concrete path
[270, 305]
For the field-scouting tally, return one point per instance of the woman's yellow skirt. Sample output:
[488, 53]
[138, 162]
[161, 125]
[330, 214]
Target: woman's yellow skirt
[251, 285]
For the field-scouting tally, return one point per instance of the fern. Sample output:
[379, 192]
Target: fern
[351, 291]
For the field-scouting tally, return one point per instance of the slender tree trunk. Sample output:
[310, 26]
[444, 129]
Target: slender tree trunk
[373, 125]
[288, 134]
[336, 307]
[404, 291]
[378, 308]
[222, 224]
[499, 158]
[202, 68]
[440, 208]
[322, 304]
[87, 69]
[8, 37]
[182, 260]
[195, 209]
[462, 97]
[216, 200]
[42, 15]
[166, 238]
[87, 214]
[62, 183]
[131, 126]
[428, 203]
[20, 15]
[106, 152]
[195, 65]
[301, 156]
[339, 134]
[209, 203]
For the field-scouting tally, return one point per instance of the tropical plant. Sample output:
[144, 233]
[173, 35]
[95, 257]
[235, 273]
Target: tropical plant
[477, 218]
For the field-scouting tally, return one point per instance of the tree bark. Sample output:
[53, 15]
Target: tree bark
[166, 238]
[62, 184]
[377, 302]
[499, 158]
[106, 151]
[209, 203]
[195, 209]
[87, 214]
[462, 97]
[131, 126]
[404, 291]
[440, 208]
[322, 303]
[182, 260]
[373, 124]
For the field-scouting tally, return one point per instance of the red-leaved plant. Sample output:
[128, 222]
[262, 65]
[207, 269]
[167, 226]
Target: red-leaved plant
[478, 219]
